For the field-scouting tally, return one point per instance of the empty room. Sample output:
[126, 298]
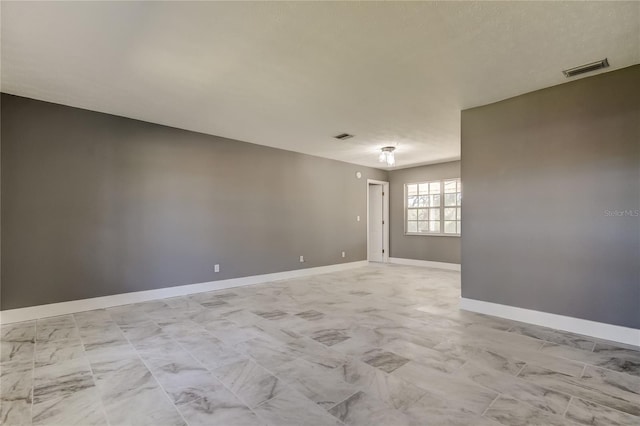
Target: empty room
[320, 213]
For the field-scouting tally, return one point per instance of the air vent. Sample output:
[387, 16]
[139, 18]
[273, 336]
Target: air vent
[343, 136]
[593, 66]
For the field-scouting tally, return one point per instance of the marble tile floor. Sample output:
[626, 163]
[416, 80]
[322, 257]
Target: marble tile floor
[378, 345]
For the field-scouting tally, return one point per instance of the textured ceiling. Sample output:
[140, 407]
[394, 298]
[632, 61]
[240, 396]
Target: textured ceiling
[291, 75]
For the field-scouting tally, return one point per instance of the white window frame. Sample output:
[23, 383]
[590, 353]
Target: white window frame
[442, 207]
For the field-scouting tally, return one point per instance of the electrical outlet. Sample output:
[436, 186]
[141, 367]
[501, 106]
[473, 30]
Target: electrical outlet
[344, 254]
[301, 259]
[358, 218]
[216, 268]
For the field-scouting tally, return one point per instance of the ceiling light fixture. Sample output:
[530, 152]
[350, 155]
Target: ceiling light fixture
[387, 156]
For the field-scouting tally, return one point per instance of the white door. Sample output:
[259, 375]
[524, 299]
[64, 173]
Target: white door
[376, 234]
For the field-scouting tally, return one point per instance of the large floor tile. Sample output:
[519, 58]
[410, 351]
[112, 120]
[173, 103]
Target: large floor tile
[18, 332]
[383, 345]
[393, 391]
[588, 413]
[361, 409]
[185, 382]
[446, 390]
[592, 388]
[291, 408]
[384, 360]
[267, 352]
[623, 361]
[207, 349]
[249, 381]
[15, 413]
[61, 379]
[16, 351]
[56, 328]
[54, 352]
[511, 412]
[82, 408]
[515, 387]
[449, 416]
[16, 387]
[148, 408]
[219, 408]
[554, 336]
[324, 386]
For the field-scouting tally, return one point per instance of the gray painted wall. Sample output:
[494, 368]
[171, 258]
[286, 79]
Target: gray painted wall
[420, 247]
[540, 171]
[94, 204]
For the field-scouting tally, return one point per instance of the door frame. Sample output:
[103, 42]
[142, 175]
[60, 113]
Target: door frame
[385, 217]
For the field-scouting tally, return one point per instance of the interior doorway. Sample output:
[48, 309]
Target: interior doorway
[377, 221]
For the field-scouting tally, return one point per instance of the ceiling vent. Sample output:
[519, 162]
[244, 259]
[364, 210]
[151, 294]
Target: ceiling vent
[593, 66]
[343, 136]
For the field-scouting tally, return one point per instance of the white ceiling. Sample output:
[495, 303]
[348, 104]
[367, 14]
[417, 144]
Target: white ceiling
[292, 75]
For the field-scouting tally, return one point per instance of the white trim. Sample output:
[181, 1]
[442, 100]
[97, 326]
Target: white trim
[418, 234]
[616, 333]
[63, 308]
[425, 263]
[385, 217]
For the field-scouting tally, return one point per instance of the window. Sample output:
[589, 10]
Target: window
[433, 207]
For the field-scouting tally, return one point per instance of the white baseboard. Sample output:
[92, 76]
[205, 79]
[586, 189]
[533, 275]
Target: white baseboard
[425, 263]
[63, 308]
[616, 333]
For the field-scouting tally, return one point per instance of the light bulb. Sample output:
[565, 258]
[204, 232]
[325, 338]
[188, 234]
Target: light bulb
[387, 155]
[391, 159]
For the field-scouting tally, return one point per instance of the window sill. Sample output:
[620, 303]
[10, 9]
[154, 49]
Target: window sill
[412, 234]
